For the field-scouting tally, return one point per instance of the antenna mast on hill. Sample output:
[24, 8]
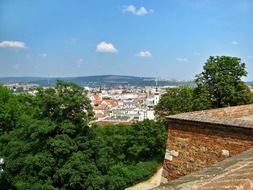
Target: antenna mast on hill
[48, 79]
[156, 82]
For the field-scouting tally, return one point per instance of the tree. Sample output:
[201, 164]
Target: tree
[219, 85]
[176, 100]
[10, 110]
[221, 79]
[67, 101]
[44, 147]
[50, 146]
[201, 99]
[147, 139]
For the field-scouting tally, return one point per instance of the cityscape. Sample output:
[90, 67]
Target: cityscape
[114, 105]
[126, 95]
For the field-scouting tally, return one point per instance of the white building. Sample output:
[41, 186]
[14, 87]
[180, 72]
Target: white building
[156, 98]
[146, 114]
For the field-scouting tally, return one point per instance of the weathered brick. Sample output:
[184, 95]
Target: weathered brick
[228, 174]
[201, 138]
[201, 150]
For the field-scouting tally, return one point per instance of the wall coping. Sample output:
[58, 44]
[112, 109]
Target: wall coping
[233, 173]
[237, 116]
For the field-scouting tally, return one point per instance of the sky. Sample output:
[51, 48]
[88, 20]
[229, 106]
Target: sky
[154, 38]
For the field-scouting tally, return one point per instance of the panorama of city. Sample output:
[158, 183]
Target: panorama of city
[126, 95]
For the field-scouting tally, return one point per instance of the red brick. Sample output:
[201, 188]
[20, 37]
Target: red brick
[200, 145]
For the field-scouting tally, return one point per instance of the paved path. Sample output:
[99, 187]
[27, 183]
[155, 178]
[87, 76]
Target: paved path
[154, 181]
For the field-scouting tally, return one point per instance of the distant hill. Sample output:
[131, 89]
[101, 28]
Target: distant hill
[97, 81]
[19, 79]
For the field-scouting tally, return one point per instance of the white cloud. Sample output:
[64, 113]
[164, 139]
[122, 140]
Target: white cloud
[234, 42]
[79, 62]
[28, 56]
[36, 67]
[16, 67]
[137, 11]
[144, 54]
[12, 44]
[129, 8]
[141, 11]
[43, 55]
[182, 59]
[71, 40]
[106, 47]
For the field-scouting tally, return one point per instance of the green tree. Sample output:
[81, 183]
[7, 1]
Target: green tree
[219, 85]
[221, 78]
[50, 146]
[67, 101]
[201, 99]
[40, 150]
[147, 139]
[176, 100]
[10, 110]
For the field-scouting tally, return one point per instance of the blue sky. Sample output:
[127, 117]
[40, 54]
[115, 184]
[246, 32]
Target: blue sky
[160, 38]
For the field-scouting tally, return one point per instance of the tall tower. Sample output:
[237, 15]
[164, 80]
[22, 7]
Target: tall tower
[156, 95]
[156, 98]
[48, 80]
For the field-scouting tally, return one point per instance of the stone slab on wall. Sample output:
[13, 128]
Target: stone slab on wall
[231, 174]
[231, 116]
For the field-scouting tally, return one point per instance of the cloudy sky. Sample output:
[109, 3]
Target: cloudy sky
[161, 38]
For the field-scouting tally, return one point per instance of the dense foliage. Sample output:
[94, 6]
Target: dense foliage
[176, 100]
[221, 78]
[45, 143]
[219, 85]
[127, 154]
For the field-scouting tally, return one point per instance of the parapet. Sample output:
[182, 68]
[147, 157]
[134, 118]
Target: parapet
[237, 116]
[235, 173]
[197, 140]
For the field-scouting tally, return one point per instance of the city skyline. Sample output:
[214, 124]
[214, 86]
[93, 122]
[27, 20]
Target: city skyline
[151, 38]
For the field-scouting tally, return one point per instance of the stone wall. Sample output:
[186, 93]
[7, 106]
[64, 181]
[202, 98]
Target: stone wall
[235, 173]
[196, 144]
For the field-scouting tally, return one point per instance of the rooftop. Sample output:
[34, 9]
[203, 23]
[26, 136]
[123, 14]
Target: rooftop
[238, 116]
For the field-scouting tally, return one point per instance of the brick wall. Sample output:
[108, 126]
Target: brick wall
[194, 145]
